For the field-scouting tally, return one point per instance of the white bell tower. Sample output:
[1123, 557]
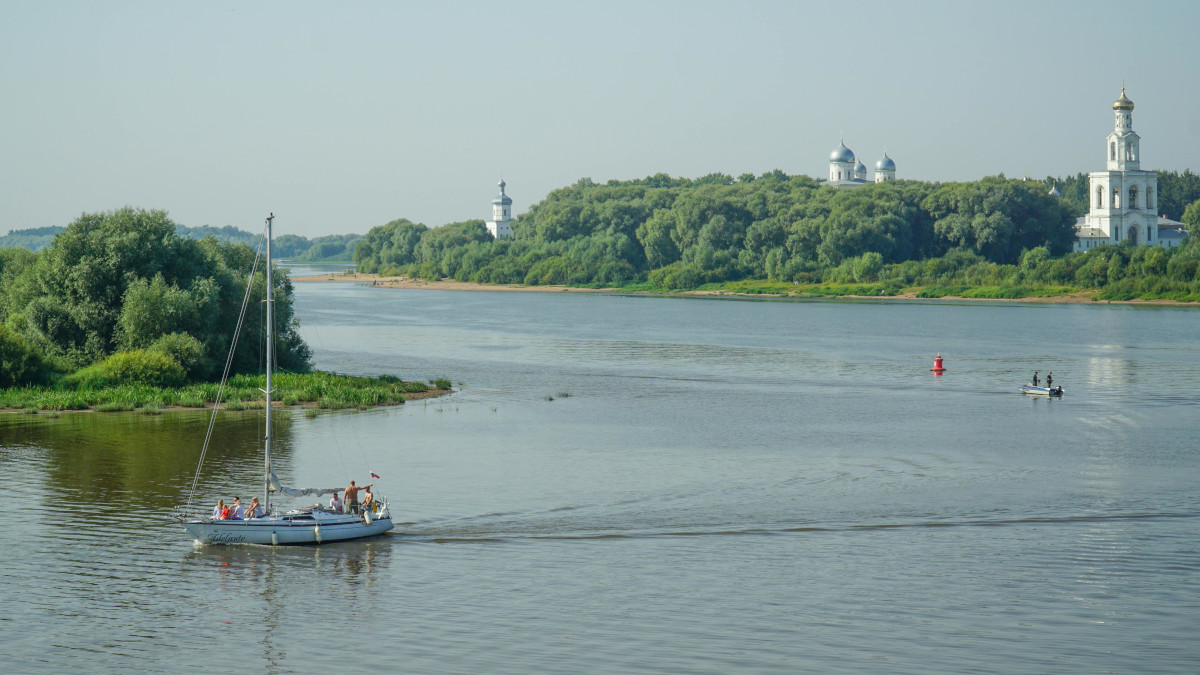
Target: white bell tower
[500, 226]
[1123, 141]
[1123, 199]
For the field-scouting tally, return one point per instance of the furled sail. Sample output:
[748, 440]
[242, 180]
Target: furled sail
[276, 486]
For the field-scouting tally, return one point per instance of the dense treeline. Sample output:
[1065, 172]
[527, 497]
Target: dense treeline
[34, 239]
[677, 233]
[717, 228]
[121, 297]
[331, 248]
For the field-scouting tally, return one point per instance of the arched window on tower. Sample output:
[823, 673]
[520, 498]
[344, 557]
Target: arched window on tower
[1148, 234]
[1112, 150]
[1133, 196]
[1116, 198]
[1100, 197]
[1150, 198]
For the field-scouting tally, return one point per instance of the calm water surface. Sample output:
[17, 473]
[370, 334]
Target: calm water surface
[650, 485]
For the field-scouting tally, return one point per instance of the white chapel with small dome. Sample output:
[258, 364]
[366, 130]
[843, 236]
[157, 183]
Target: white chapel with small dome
[500, 226]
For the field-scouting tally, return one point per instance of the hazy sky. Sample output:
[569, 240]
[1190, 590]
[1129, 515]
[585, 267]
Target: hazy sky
[340, 116]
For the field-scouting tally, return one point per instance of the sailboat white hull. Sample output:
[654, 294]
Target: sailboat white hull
[312, 525]
[304, 527]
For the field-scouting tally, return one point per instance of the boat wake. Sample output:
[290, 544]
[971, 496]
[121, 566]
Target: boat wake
[475, 530]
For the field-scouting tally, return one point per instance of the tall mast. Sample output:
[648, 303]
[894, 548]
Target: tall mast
[270, 358]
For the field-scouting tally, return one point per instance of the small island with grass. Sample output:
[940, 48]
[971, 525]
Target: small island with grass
[242, 392]
[120, 313]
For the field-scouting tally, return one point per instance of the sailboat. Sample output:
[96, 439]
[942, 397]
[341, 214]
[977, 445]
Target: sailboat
[277, 527]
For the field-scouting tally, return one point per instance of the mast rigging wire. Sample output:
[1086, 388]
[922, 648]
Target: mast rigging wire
[225, 375]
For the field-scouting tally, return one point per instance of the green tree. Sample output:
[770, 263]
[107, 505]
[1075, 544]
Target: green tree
[290, 246]
[868, 267]
[153, 308]
[1191, 218]
[1176, 191]
[1034, 257]
[655, 238]
[70, 302]
[389, 246]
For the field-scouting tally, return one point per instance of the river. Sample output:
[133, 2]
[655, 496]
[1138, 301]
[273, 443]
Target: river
[643, 484]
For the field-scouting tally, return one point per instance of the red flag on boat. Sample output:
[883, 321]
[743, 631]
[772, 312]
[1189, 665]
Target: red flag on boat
[374, 475]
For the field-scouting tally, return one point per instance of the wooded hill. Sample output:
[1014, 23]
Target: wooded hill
[330, 248]
[678, 233]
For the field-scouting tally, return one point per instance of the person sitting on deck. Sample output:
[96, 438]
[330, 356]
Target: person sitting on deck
[237, 512]
[221, 512]
[255, 511]
[335, 504]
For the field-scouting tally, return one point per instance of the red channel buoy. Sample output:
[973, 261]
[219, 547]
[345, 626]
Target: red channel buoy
[937, 365]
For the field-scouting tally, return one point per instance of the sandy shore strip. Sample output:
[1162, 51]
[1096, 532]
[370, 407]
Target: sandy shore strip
[445, 284]
[452, 285]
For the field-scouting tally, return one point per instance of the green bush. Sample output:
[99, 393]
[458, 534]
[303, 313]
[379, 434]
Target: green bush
[140, 366]
[19, 365]
[868, 266]
[182, 348]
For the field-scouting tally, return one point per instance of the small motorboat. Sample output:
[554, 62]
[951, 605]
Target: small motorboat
[1042, 391]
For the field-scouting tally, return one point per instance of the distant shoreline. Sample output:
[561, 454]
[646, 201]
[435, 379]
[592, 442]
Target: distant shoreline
[445, 284]
[404, 282]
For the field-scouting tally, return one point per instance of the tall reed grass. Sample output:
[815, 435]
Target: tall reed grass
[321, 389]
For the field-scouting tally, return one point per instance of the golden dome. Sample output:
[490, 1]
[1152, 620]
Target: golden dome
[1123, 103]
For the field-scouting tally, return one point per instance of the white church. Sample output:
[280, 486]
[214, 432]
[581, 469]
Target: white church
[847, 172]
[500, 226]
[1123, 197]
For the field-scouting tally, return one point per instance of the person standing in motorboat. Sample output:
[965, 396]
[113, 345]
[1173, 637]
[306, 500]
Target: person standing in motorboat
[1050, 380]
[1035, 378]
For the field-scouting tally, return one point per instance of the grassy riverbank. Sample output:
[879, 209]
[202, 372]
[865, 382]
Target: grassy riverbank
[1031, 293]
[318, 389]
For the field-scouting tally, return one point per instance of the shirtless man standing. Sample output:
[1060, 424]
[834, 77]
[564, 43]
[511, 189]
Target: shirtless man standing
[352, 496]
